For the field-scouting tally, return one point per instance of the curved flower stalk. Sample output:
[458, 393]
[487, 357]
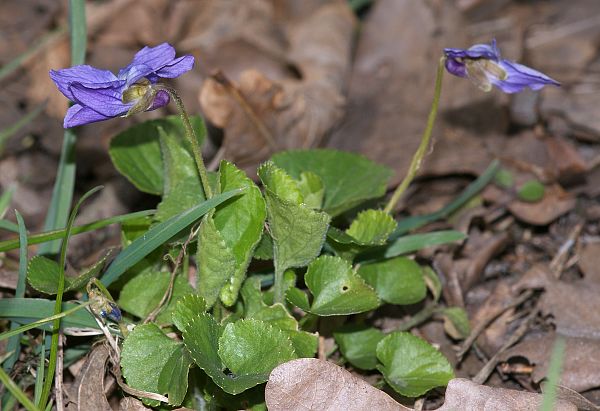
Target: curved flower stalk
[482, 64]
[101, 95]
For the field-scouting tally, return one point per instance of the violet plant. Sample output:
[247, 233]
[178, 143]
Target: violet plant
[238, 322]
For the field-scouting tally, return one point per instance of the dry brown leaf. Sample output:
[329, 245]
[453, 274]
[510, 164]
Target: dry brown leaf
[132, 404]
[567, 162]
[555, 203]
[572, 305]
[589, 262]
[312, 384]
[263, 107]
[581, 360]
[391, 90]
[87, 392]
[463, 394]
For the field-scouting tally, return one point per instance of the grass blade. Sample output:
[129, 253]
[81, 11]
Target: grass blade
[13, 343]
[9, 226]
[556, 359]
[412, 223]
[62, 194]
[5, 201]
[415, 242]
[27, 310]
[39, 378]
[16, 391]
[35, 324]
[58, 304]
[159, 234]
[57, 234]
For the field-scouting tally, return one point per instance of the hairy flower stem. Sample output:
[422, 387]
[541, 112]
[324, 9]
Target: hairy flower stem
[417, 159]
[191, 136]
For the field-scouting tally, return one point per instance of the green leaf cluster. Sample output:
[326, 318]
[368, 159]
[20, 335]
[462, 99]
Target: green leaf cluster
[239, 283]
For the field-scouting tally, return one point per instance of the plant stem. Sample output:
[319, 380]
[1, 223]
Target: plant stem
[278, 286]
[417, 159]
[191, 136]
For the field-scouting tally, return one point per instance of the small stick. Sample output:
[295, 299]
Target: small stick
[487, 369]
[58, 380]
[488, 320]
[557, 265]
[169, 291]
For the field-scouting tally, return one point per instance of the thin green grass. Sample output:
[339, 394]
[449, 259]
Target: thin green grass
[62, 194]
[554, 369]
[58, 304]
[160, 234]
[13, 345]
[58, 234]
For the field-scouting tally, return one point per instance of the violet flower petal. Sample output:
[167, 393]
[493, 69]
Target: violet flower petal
[520, 76]
[160, 100]
[106, 101]
[153, 57]
[82, 74]
[78, 115]
[177, 67]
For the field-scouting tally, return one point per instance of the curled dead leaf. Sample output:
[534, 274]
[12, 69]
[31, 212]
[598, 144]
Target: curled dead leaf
[87, 392]
[580, 364]
[312, 384]
[463, 394]
[260, 113]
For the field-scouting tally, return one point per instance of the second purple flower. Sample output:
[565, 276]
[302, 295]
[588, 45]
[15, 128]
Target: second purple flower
[482, 64]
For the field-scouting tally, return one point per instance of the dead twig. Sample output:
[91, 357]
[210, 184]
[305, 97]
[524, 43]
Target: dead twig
[58, 379]
[486, 321]
[169, 291]
[487, 369]
[557, 265]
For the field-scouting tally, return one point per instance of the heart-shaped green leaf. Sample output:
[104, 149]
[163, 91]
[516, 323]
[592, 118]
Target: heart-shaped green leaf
[136, 151]
[228, 237]
[336, 288]
[146, 352]
[254, 347]
[186, 309]
[358, 345]
[348, 179]
[173, 379]
[397, 281]
[42, 274]
[304, 343]
[312, 190]
[216, 263]
[298, 232]
[142, 294]
[412, 366]
[372, 227]
[238, 356]
[182, 186]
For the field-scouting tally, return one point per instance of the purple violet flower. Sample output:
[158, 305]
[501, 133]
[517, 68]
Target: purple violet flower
[482, 64]
[100, 95]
